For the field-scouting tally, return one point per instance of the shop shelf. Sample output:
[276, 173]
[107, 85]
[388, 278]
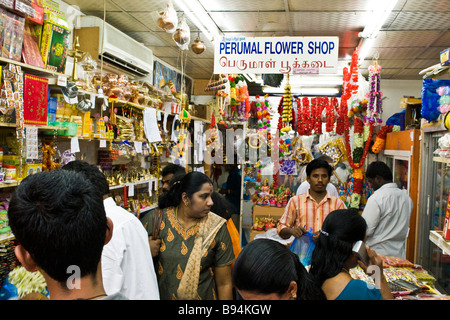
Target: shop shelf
[438, 240]
[134, 183]
[32, 69]
[441, 159]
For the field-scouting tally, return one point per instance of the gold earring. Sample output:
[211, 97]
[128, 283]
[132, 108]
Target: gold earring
[294, 296]
[186, 203]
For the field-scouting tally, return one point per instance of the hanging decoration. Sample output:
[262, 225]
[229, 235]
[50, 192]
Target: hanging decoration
[213, 143]
[361, 132]
[304, 117]
[349, 87]
[182, 35]
[286, 113]
[198, 46]
[239, 99]
[262, 113]
[167, 19]
[381, 138]
[182, 139]
[374, 108]
[330, 106]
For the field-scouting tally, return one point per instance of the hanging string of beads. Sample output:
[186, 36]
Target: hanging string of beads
[374, 108]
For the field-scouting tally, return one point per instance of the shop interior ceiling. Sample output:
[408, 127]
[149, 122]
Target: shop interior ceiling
[411, 39]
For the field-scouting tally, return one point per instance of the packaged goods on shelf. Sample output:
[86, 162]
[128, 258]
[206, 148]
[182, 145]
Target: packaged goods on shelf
[12, 31]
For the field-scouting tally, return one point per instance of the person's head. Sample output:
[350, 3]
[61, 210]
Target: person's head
[333, 251]
[318, 174]
[267, 270]
[168, 172]
[91, 172]
[60, 223]
[193, 191]
[221, 206]
[378, 174]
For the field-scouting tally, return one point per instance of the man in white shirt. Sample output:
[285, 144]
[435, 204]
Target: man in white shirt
[304, 186]
[387, 212]
[127, 264]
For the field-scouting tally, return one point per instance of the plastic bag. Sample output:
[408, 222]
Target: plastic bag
[430, 98]
[303, 247]
[8, 291]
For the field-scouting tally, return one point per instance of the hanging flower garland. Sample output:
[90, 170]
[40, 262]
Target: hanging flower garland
[381, 138]
[374, 110]
[358, 157]
[329, 108]
[361, 132]
[350, 87]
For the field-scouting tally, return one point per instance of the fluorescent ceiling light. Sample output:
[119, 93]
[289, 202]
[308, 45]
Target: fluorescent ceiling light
[303, 91]
[381, 11]
[197, 14]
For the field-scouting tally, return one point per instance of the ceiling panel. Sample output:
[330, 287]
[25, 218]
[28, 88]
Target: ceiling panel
[410, 40]
[240, 6]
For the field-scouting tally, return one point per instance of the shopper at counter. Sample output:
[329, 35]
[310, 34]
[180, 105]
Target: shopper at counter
[308, 210]
[127, 265]
[387, 212]
[60, 223]
[267, 270]
[196, 252]
[332, 259]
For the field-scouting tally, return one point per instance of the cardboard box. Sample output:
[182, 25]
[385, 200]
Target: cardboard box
[30, 169]
[404, 102]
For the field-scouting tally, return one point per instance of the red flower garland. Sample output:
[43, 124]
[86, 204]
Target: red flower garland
[357, 129]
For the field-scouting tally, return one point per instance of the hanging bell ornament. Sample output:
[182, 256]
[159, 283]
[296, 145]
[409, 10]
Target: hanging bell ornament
[198, 46]
[181, 36]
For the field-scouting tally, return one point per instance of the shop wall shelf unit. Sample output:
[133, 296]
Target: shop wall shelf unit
[138, 106]
[149, 181]
[32, 69]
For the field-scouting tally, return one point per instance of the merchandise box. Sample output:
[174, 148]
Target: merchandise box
[35, 99]
[54, 46]
[445, 57]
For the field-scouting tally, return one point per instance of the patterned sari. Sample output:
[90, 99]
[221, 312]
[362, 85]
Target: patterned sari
[188, 257]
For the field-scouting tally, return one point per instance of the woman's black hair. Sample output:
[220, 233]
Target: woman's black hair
[340, 230]
[266, 266]
[222, 207]
[190, 183]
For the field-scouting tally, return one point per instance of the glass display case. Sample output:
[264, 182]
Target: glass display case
[434, 195]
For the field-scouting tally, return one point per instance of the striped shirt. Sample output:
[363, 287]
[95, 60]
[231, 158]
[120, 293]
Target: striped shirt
[303, 211]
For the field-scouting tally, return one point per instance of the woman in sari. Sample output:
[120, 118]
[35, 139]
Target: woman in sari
[195, 248]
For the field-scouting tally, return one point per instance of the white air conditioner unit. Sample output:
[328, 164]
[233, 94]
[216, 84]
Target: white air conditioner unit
[115, 47]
